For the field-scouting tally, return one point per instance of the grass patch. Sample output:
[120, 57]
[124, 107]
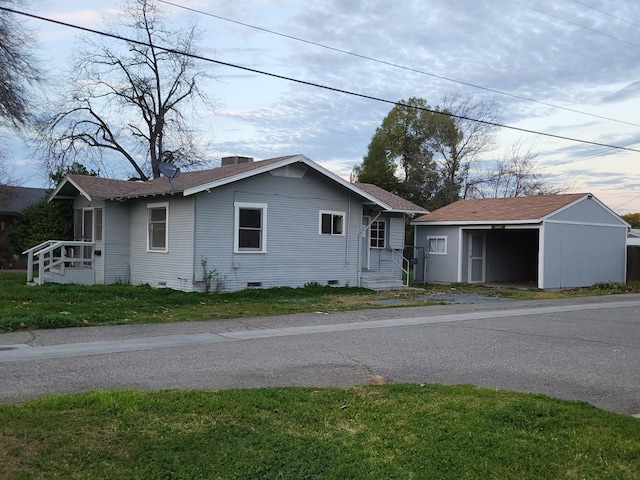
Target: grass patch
[56, 305]
[366, 432]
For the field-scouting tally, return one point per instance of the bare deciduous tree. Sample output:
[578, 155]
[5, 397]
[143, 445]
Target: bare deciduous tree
[514, 175]
[473, 135]
[133, 99]
[18, 69]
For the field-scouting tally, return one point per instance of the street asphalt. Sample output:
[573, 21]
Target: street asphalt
[584, 348]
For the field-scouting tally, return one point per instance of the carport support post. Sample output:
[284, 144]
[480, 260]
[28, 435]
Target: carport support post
[541, 256]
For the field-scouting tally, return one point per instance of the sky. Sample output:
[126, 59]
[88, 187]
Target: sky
[565, 68]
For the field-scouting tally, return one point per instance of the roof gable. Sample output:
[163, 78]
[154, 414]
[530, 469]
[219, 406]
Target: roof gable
[509, 209]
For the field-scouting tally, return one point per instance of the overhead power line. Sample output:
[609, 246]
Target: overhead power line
[599, 32]
[395, 65]
[624, 20]
[312, 84]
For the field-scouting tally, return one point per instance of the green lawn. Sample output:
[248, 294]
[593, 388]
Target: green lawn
[54, 305]
[367, 432]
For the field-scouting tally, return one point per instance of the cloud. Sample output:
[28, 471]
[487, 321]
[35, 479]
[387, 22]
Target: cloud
[630, 91]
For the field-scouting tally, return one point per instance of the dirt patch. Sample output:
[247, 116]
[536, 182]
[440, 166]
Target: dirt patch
[446, 298]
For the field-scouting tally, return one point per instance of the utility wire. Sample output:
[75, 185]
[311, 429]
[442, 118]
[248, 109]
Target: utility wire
[395, 65]
[606, 13]
[312, 84]
[599, 32]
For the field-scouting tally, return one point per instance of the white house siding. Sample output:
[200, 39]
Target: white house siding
[115, 248]
[578, 255]
[174, 268]
[296, 252]
[439, 268]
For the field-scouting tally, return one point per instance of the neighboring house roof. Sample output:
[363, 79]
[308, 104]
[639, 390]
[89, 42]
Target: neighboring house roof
[634, 233]
[189, 183]
[510, 209]
[15, 199]
[394, 201]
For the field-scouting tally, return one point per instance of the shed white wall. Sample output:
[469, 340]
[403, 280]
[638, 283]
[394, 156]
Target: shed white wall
[440, 268]
[584, 244]
[296, 252]
[580, 255]
[173, 268]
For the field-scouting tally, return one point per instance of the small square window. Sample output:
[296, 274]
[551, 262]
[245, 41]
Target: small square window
[437, 245]
[332, 223]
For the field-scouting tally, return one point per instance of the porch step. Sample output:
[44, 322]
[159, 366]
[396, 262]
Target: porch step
[381, 281]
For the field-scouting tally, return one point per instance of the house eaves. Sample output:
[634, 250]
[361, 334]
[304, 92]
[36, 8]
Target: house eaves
[480, 223]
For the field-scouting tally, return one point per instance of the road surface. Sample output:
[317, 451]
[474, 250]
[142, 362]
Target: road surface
[577, 349]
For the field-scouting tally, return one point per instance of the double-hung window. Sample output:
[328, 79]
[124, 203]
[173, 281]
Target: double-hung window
[331, 223]
[158, 227]
[437, 245]
[250, 227]
[378, 235]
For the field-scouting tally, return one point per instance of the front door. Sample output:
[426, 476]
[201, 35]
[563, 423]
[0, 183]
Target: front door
[476, 258]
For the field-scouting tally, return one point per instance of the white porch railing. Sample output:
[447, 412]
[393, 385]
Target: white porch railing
[398, 258]
[56, 256]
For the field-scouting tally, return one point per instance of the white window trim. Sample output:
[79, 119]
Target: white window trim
[437, 237]
[95, 223]
[166, 231]
[236, 226]
[371, 238]
[332, 213]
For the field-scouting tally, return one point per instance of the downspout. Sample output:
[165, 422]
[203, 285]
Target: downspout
[348, 228]
[193, 240]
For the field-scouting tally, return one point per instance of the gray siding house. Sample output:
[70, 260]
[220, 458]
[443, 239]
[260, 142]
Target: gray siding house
[284, 221]
[548, 241]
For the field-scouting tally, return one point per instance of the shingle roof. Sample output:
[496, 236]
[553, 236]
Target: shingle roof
[15, 199]
[500, 209]
[105, 188]
[388, 198]
[192, 182]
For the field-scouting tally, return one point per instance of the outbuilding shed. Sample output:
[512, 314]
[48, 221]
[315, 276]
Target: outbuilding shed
[548, 241]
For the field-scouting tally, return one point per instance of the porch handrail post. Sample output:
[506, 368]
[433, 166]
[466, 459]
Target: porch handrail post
[41, 268]
[30, 267]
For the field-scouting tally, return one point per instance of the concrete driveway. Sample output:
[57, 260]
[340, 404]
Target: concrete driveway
[579, 349]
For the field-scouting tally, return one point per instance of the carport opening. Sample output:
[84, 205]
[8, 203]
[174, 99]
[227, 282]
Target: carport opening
[512, 256]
